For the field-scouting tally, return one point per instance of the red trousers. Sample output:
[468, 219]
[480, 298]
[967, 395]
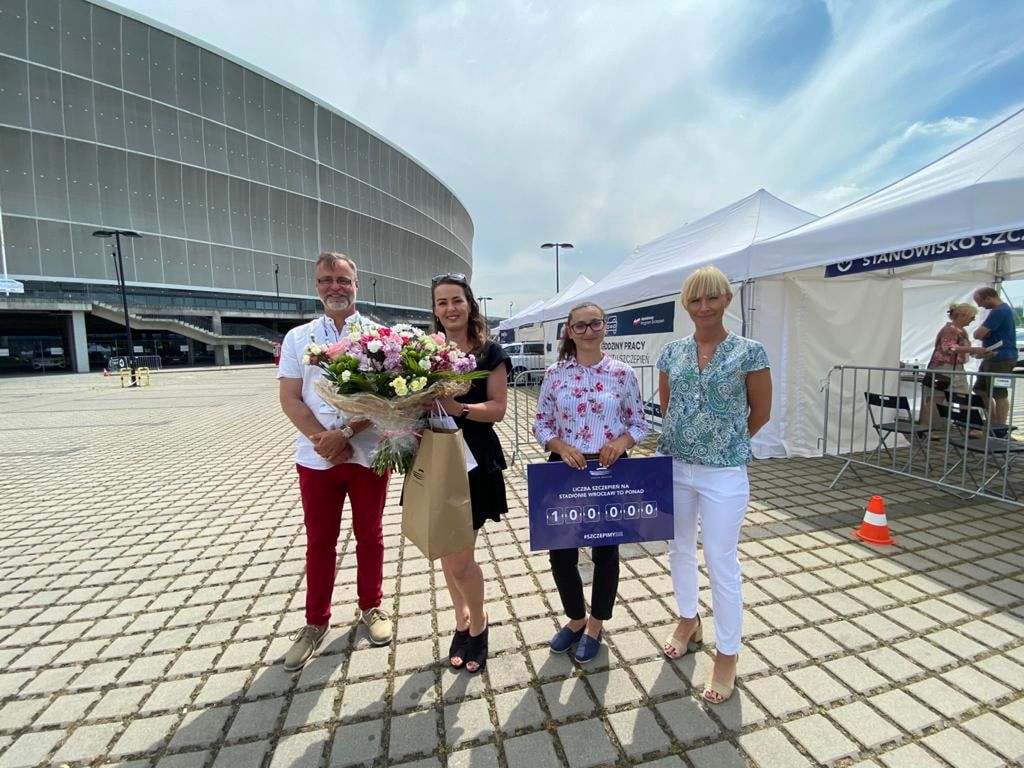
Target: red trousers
[323, 496]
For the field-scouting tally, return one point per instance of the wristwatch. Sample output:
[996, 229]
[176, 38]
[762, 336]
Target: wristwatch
[347, 431]
[465, 412]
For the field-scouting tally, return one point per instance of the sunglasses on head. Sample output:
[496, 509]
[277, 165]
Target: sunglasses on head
[458, 277]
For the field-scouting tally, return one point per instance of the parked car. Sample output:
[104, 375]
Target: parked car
[47, 361]
[525, 356]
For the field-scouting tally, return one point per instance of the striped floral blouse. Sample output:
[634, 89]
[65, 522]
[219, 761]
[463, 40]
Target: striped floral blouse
[587, 406]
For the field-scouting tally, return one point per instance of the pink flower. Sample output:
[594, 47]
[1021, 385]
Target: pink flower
[465, 365]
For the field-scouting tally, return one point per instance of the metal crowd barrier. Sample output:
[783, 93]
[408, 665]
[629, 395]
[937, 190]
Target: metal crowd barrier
[124, 361]
[939, 426]
[524, 405]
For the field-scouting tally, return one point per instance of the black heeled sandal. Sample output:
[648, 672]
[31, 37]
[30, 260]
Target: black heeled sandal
[476, 650]
[460, 641]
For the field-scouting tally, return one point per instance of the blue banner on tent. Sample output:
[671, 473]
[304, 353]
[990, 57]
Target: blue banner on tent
[656, 318]
[628, 502]
[1009, 240]
[505, 337]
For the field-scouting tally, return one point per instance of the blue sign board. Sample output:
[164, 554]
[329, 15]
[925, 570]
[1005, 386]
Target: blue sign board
[976, 245]
[628, 502]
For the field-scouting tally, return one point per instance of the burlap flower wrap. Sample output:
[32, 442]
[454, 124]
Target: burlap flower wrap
[399, 420]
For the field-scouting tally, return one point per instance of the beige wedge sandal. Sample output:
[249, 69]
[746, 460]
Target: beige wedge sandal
[675, 647]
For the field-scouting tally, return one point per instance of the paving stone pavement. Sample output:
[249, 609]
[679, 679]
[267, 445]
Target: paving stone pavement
[151, 572]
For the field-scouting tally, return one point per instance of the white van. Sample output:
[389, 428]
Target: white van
[525, 356]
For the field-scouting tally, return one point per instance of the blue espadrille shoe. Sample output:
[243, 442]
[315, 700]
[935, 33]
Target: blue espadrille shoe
[588, 647]
[564, 638]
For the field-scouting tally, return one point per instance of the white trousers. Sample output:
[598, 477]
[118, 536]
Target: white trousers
[718, 497]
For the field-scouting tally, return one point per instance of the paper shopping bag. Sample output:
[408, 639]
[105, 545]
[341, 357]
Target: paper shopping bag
[440, 421]
[436, 514]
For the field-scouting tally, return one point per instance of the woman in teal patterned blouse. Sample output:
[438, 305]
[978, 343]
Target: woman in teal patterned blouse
[715, 390]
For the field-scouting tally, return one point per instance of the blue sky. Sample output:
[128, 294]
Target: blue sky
[607, 124]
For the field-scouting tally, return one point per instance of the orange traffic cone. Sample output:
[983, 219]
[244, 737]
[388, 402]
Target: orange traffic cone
[875, 529]
[106, 372]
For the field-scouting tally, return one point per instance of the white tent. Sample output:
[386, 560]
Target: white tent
[567, 298]
[969, 203]
[895, 259]
[512, 322]
[527, 324]
[718, 238]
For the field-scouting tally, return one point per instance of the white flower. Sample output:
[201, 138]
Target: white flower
[374, 346]
[346, 375]
[418, 384]
[400, 386]
[425, 363]
[305, 360]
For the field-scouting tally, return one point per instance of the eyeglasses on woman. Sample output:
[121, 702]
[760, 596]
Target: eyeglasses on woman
[595, 325]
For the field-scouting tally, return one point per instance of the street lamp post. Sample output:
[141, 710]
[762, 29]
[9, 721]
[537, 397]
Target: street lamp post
[483, 300]
[374, 284]
[277, 285]
[557, 246]
[510, 309]
[119, 264]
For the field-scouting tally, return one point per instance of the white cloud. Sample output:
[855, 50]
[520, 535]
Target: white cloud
[607, 124]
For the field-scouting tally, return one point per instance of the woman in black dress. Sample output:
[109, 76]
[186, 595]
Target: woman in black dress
[457, 315]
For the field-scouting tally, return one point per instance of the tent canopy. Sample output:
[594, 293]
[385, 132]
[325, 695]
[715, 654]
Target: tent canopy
[975, 190]
[513, 322]
[567, 298]
[659, 267]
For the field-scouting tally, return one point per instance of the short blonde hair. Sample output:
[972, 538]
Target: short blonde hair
[706, 281]
[968, 311]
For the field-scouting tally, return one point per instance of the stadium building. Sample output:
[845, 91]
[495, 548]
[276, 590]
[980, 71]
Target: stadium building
[234, 180]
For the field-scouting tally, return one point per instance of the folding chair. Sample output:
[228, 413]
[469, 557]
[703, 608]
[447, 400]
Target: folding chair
[894, 419]
[993, 453]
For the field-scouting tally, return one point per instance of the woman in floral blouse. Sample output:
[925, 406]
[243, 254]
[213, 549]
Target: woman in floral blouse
[589, 408]
[952, 346]
[715, 390]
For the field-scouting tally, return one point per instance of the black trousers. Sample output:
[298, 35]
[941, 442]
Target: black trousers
[565, 570]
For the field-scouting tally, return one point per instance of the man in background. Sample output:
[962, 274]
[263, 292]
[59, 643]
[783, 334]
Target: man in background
[999, 327]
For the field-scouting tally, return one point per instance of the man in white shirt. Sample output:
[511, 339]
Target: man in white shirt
[333, 456]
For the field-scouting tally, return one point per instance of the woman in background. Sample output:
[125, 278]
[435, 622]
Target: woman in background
[952, 346]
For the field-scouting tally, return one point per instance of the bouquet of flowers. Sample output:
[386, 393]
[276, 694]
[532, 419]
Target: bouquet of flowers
[389, 376]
